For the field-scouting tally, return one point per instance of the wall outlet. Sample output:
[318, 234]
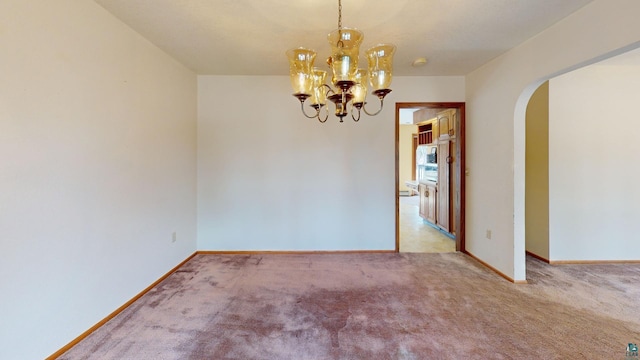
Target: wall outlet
[489, 234]
[174, 237]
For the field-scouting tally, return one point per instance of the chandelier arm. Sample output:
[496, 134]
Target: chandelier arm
[326, 115]
[329, 89]
[305, 113]
[353, 117]
[375, 113]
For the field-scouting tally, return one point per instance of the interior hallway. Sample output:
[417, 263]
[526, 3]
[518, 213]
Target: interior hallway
[416, 235]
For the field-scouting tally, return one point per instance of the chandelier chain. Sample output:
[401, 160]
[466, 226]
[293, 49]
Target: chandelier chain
[339, 14]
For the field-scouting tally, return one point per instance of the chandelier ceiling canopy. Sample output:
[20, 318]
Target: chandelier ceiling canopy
[350, 83]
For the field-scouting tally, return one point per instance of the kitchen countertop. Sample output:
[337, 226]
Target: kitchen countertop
[429, 181]
[413, 184]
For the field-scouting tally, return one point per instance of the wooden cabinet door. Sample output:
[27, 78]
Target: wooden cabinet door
[443, 125]
[447, 124]
[431, 203]
[453, 123]
[422, 208]
[454, 193]
[444, 183]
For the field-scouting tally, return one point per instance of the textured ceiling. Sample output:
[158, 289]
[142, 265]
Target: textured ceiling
[250, 37]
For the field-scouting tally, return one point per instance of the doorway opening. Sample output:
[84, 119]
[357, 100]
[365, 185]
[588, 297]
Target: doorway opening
[437, 164]
[563, 222]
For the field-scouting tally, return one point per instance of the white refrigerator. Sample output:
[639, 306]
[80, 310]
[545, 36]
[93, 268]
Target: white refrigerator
[427, 163]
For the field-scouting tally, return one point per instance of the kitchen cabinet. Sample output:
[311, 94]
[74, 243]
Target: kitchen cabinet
[431, 202]
[438, 200]
[422, 208]
[427, 132]
[446, 121]
[428, 198]
[444, 184]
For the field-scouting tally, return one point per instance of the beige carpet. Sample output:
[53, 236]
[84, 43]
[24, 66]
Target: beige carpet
[374, 306]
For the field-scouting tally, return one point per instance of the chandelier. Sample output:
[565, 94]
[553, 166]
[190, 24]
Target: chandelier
[349, 82]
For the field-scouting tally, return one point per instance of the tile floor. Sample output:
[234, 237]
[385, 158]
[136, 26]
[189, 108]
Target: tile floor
[416, 235]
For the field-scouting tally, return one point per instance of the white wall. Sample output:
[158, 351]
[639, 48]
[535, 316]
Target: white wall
[271, 179]
[497, 95]
[537, 173]
[97, 169]
[405, 154]
[593, 163]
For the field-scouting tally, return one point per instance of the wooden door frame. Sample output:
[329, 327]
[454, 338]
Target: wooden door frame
[459, 170]
[414, 146]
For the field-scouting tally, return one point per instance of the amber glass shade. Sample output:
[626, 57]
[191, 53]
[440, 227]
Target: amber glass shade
[380, 58]
[345, 46]
[319, 92]
[300, 70]
[359, 90]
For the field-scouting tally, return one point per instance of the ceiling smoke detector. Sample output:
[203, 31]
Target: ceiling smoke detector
[419, 62]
